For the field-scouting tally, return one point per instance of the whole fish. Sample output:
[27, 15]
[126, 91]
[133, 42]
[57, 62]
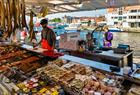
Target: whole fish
[31, 32]
[6, 13]
[15, 26]
[18, 13]
[2, 14]
[9, 21]
[24, 24]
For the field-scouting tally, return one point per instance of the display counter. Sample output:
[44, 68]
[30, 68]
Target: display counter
[108, 57]
[94, 64]
[50, 54]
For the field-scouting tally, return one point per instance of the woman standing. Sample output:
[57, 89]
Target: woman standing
[108, 37]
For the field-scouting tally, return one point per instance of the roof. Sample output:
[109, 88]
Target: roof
[57, 6]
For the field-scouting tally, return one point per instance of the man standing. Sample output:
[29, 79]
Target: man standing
[48, 37]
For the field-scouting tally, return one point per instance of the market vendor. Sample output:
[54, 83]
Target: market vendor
[48, 37]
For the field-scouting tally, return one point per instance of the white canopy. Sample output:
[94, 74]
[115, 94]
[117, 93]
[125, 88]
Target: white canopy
[57, 6]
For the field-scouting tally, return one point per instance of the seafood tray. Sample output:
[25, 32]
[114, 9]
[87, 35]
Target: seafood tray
[77, 84]
[15, 75]
[9, 55]
[28, 67]
[75, 67]
[58, 62]
[15, 58]
[28, 60]
[67, 77]
[69, 65]
[55, 72]
[8, 49]
[37, 86]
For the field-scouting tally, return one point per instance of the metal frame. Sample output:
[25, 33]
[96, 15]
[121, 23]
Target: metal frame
[80, 5]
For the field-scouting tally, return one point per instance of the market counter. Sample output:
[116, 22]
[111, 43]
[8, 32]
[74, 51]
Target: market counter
[108, 57]
[93, 64]
[44, 52]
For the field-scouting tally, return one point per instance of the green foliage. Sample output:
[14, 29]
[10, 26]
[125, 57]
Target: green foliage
[56, 20]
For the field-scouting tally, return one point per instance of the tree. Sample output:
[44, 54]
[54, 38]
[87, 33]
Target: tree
[56, 20]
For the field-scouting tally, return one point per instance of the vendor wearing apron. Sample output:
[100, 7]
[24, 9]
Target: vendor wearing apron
[48, 36]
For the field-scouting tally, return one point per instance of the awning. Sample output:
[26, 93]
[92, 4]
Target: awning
[57, 6]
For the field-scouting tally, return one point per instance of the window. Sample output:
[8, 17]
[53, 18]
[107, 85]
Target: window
[124, 17]
[115, 22]
[120, 12]
[139, 24]
[133, 17]
[133, 11]
[138, 17]
[120, 9]
[132, 24]
[120, 18]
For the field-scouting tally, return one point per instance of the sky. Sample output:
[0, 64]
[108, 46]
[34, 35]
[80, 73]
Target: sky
[79, 14]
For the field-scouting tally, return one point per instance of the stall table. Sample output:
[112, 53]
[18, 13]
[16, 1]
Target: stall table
[50, 54]
[108, 57]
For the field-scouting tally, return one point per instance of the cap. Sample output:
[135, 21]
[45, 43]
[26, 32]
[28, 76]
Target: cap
[44, 21]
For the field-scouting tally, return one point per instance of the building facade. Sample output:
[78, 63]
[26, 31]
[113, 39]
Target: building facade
[127, 17]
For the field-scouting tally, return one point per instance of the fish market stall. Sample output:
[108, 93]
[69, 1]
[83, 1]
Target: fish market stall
[27, 72]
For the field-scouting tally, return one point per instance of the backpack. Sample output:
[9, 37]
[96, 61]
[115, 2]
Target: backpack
[108, 36]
